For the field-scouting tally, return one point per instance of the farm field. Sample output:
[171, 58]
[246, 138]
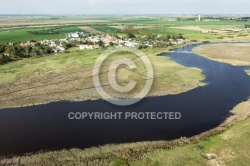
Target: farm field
[178, 23]
[41, 21]
[115, 24]
[22, 35]
[112, 20]
[198, 28]
[90, 30]
[106, 29]
[26, 34]
[172, 30]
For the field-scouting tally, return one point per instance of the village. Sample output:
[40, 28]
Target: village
[86, 41]
[96, 41]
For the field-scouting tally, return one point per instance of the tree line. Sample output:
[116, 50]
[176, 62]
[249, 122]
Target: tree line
[131, 32]
[247, 26]
[16, 51]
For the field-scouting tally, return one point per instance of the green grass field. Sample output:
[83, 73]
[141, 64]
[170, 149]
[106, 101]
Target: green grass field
[70, 29]
[169, 30]
[176, 23]
[22, 35]
[25, 34]
[204, 23]
[106, 29]
[203, 37]
[219, 27]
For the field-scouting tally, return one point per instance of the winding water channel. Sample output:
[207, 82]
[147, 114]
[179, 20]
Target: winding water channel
[47, 126]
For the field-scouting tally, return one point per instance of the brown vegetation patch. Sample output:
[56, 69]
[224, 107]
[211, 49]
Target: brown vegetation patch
[235, 54]
[71, 81]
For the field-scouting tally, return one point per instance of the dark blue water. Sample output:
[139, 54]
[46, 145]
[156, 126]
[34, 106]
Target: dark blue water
[47, 126]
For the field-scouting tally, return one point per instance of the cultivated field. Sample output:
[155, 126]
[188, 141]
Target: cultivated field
[171, 30]
[44, 22]
[198, 28]
[116, 24]
[106, 29]
[90, 30]
[36, 33]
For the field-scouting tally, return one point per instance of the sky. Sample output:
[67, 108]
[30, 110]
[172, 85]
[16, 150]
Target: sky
[124, 6]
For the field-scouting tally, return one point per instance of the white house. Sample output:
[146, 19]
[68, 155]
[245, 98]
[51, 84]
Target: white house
[73, 35]
[130, 44]
[86, 46]
[58, 49]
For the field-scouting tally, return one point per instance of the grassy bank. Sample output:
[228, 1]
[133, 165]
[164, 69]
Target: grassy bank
[224, 145]
[68, 76]
[235, 54]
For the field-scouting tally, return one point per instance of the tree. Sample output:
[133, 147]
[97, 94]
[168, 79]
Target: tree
[130, 30]
[181, 36]
[4, 58]
[27, 51]
[111, 44]
[100, 43]
[130, 35]
[247, 26]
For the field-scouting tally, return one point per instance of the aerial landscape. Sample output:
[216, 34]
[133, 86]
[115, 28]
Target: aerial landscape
[126, 83]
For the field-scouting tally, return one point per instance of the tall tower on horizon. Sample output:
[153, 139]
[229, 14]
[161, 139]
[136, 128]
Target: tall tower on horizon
[199, 17]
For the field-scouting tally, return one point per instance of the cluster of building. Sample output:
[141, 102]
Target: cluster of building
[96, 41]
[75, 34]
[55, 47]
